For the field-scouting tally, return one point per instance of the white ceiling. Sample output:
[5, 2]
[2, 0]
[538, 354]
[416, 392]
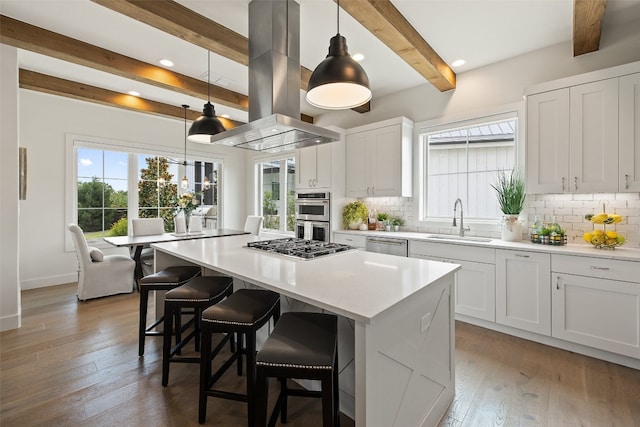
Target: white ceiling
[479, 31]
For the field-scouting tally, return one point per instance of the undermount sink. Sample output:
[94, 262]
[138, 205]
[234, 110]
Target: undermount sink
[463, 238]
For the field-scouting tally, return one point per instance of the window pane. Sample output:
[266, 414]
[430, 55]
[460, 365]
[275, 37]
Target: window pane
[463, 163]
[271, 200]
[89, 163]
[291, 194]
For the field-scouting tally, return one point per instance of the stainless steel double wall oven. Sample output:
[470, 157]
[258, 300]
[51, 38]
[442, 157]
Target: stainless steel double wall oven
[313, 216]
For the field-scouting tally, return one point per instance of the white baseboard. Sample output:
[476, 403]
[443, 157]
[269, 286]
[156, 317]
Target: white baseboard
[43, 282]
[10, 322]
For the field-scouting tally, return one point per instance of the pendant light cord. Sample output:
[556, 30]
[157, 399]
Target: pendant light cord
[338, 17]
[208, 76]
[185, 135]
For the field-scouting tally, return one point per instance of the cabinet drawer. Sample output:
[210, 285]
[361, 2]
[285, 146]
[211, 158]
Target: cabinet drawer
[350, 239]
[628, 271]
[458, 252]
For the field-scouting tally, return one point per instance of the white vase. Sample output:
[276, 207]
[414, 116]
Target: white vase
[511, 228]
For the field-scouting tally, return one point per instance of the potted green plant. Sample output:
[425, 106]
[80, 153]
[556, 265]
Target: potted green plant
[396, 222]
[511, 196]
[354, 214]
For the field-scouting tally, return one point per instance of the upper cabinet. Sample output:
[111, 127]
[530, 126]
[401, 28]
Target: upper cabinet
[313, 167]
[378, 159]
[585, 137]
[572, 136]
[629, 136]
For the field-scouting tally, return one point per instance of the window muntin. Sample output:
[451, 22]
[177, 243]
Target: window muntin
[462, 162]
[277, 206]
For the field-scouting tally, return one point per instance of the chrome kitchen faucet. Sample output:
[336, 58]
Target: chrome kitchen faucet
[461, 217]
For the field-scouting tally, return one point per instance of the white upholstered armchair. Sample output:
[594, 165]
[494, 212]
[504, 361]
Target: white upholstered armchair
[100, 275]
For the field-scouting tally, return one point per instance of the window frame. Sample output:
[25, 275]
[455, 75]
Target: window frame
[504, 112]
[73, 141]
[259, 185]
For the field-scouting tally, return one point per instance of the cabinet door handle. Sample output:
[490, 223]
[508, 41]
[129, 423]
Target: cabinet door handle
[558, 282]
[593, 267]
[368, 191]
[373, 191]
[626, 181]
[563, 183]
[575, 182]
[522, 256]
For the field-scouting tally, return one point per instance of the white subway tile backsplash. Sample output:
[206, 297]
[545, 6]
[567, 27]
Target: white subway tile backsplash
[569, 210]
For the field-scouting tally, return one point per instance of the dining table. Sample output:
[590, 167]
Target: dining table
[137, 243]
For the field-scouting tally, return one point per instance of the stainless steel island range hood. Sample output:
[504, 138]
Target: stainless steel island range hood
[274, 84]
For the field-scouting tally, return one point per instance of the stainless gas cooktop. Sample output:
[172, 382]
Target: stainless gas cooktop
[299, 248]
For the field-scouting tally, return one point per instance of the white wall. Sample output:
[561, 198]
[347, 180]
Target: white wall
[497, 84]
[44, 122]
[9, 205]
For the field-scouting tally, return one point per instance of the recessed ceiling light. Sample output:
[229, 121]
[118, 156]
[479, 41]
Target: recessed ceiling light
[166, 62]
[134, 93]
[458, 63]
[226, 116]
[358, 57]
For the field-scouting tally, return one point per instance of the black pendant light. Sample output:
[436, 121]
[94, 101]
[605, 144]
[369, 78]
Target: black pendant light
[184, 183]
[207, 124]
[338, 82]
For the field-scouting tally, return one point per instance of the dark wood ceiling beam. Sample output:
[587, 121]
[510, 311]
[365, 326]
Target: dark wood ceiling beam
[587, 25]
[56, 86]
[39, 40]
[385, 22]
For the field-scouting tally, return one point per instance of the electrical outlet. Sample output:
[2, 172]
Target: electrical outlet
[425, 322]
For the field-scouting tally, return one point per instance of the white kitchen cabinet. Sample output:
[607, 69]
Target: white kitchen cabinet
[596, 302]
[313, 167]
[548, 142]
[378, 159]
[572, 139]
[523, 290]
[593, 136]
[629, 136]
[359, 241]
[475, 282]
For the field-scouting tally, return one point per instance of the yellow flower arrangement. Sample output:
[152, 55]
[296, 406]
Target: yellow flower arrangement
[604, 238]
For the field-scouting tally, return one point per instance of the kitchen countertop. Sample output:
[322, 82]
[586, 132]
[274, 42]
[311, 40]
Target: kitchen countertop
[620, 253]
[356, 284]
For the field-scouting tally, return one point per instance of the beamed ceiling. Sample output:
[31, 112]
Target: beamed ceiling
[380, 18]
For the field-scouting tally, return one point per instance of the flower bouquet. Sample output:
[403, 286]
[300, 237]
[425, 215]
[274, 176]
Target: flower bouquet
[186, 202]
[604, 239]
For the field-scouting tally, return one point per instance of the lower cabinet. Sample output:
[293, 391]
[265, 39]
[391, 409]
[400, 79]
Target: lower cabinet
[475, 282]
[597, 309]
[523, 290]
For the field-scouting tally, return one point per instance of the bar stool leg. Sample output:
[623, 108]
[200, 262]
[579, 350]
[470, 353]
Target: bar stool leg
[144, 295]
[251, 376]
[328, 414]
[205, 373]
[166, 342]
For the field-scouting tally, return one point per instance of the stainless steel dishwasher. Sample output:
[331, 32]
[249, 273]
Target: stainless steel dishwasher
[387, 245]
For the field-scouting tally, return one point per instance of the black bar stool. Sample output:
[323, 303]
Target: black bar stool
[164, 280]
[243, 313]
[198, 294]
[302, 346]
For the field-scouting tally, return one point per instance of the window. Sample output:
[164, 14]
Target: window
[101, 190]
[277, 206]
[462, 162]
[113, 186]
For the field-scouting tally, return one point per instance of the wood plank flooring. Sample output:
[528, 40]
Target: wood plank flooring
[76, 364]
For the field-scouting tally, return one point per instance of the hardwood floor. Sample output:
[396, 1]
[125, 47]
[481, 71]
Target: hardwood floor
[75, 364]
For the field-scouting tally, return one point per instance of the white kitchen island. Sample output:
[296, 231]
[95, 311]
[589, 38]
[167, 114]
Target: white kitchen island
[401, 309]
